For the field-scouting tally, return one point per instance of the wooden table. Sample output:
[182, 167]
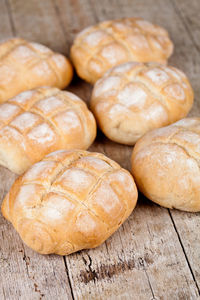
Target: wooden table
[156, 253]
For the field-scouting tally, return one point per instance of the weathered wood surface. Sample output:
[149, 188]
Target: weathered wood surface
[155, 254]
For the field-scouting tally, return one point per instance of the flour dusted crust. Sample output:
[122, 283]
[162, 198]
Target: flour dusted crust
[133, 98]
[69, 201]
[40, 121]
[166, 165]
[98, 48]
[25, 65]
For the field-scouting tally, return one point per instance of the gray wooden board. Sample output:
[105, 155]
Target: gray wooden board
[155, 254]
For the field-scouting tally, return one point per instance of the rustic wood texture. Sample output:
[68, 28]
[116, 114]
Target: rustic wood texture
[155, 254]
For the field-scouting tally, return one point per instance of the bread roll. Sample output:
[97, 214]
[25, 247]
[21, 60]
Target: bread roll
[71, 200]
[25, 65]
[98, 48]
[134, 98]
[40, 121]
[165, 164]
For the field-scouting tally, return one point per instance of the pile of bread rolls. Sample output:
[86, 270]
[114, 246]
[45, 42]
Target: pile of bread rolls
[67, 199]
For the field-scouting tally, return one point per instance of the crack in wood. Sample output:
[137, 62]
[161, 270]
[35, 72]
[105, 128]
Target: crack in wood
[142, 263]
[57, 10]
[107, 247]
[26, 259]
[4, 293]
[94, 12]
[69, 279]
[13, 29]
[90, 274]
[178, 12]
[184, 252]
[37, 290]
[110, 270]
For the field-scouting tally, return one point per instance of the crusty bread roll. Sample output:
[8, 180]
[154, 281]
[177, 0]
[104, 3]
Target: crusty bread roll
[25, 65]
[165, 164]
[98, 48]
[134, 98]
[40, 121]
[71, 200]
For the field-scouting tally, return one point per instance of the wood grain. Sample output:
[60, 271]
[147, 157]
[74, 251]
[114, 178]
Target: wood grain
[6, 27]
[188, 226]
[155, 254]
[189, 15]
[37, 21]
[25, 275]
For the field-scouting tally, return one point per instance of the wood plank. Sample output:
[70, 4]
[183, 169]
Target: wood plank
[74, 16]
[142, 260]
[25, 274]
[37, 21]
[108, 271]
[6, 28]
[188, 226]
[189, 15]
[189, 223]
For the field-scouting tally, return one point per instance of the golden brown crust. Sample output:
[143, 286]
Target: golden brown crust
[37, 122]
[98, 48]
[166, 165]
[71, 200]
[26, 65]
[133, 98]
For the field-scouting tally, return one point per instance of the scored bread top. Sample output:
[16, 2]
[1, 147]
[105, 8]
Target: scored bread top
[166, 165]
[26, 65]
[69, 201]
[40, 121]
[100, 47]
[184, 133]
[133, 98]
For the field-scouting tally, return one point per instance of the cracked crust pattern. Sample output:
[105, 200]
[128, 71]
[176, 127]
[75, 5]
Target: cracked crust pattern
[37, 122]
[107, 44]
[69, 201]
[133, 98]
[166, 165]
[25, 65]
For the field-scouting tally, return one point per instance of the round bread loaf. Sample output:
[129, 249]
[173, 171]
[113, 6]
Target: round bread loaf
[71, 200]
[98, 48]
[25, 65]
[165, 165]
[37, 122]
[134, 98]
